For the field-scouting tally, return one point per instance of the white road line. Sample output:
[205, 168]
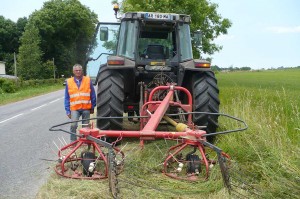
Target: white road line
[54, 101]
[11, 118]
[38, 107]
[31, 110]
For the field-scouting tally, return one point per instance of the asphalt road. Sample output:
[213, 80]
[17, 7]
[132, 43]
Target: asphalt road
[25, 139]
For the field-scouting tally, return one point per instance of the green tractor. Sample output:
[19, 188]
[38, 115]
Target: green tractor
[146, 50]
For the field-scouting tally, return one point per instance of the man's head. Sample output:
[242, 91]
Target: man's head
[77, 71]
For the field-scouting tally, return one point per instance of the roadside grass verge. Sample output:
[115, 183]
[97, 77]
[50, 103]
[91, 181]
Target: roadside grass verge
[267, 153]
[28, 92]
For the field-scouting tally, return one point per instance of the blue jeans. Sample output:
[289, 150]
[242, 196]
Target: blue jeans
[75, 115]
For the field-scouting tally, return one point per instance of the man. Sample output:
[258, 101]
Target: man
[80, 98]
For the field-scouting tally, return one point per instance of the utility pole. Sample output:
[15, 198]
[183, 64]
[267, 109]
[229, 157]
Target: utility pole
[15, 63]
[53, 69]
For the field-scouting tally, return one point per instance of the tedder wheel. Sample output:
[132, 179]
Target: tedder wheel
[110, 98]
[206, 99]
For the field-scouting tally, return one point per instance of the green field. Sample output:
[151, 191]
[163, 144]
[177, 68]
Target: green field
[266, 156]
[269, 102]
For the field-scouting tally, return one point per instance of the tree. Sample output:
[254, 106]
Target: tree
[66, 28]
[8, 36]
[203, 13]
[48, 70]
[245, 68]
[10, 33]
[215, 68]
[30, 54]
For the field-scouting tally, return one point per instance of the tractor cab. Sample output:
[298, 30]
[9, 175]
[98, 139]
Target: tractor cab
[153, 41]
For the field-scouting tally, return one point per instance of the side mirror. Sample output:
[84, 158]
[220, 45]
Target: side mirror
[103, 33]
[197, 37]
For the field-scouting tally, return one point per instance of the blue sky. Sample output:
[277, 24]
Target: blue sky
[264, 33]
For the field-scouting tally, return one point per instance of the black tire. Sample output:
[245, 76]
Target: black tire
[110, 99]
[206, 99]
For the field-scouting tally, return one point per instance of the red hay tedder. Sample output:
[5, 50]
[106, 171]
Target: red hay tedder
[150, 75]
[100, 160]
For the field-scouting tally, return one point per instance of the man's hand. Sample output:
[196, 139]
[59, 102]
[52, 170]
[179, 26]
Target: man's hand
[69, 116]
[92, 111]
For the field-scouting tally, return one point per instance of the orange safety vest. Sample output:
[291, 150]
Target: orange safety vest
[80, 98]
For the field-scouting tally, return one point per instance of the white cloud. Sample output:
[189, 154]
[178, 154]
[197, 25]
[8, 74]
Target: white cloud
[282, 29]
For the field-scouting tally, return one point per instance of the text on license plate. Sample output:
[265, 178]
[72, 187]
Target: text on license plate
[158, 16]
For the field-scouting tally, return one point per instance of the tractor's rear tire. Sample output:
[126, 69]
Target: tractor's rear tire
[110, 99]
[206, 99]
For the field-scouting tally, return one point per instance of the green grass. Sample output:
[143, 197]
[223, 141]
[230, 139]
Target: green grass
[269, 102]
[28, 92]
[267, 153]
[141, 178]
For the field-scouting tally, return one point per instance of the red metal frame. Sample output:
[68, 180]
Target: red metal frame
[61, 170]
[71, 148]
[155, 110]
[181, 147]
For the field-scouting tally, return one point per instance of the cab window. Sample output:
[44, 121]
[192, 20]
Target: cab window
[127, 41]
[185, 42]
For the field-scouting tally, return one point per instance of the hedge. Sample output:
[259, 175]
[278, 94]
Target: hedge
[12, 86]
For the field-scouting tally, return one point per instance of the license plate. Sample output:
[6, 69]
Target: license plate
[158, 16]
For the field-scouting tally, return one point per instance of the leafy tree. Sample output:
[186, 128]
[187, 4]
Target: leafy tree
[8, 36]
[244, 68]
[215, 68]
[203, 13]
[10, 33]
[48, 68]
[21, 23]
[30, 55]
[66, 28]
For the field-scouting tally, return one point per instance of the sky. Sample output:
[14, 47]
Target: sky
[264, 33]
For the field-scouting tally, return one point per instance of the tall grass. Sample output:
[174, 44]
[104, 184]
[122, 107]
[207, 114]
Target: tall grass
[267, 153]
[269, 103]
